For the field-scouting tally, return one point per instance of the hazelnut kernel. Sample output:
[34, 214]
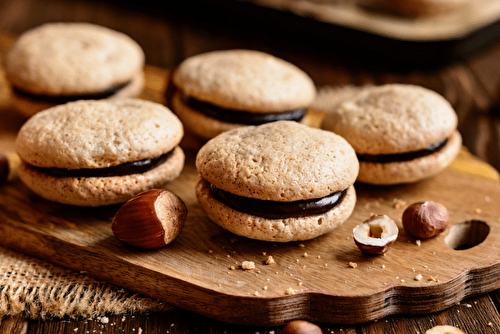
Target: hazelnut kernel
[301, 327]
[425, 219]
[151, 219]
[4, 167]
[376, 235]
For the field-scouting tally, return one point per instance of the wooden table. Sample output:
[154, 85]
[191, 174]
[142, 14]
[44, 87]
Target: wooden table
[471, 84]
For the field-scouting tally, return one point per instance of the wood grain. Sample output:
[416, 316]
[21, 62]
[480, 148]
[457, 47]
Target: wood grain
[201, 270]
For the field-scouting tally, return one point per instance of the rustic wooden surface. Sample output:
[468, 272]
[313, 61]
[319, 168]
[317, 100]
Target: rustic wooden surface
[472, 85]
[201, 271]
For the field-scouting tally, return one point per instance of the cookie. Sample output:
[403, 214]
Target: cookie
[93, 153]
[281, 181]
[61, 62]
[401, 133]
[222, 90]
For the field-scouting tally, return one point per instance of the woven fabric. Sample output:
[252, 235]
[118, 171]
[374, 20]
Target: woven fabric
[42, 290]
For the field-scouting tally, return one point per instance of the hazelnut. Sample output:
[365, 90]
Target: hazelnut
[444, 329]
[376, 234]
[4, 167]
[152, 219]
[425, 219]
[301, 327]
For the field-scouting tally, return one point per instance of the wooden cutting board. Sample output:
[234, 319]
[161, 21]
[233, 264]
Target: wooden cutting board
[325, 280]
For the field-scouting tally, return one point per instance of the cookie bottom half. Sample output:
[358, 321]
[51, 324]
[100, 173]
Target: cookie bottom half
[390, 173]
[274, 230]
[28, 106]
[99, 191]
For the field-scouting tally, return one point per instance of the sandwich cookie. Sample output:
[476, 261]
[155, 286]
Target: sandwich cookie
[401, 133]
[221, 90]
[61, 62]
[281, 181]
[92, 153]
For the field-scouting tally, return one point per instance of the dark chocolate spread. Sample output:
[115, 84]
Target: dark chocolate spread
[242, 117]
[128, 168]
[60, 99]
[275, 209]
[399, 157]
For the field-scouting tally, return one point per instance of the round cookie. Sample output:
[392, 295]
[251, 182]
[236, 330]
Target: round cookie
[222, 90]
[401, 133]
[92, 153]
[57, 63]
[281, 181]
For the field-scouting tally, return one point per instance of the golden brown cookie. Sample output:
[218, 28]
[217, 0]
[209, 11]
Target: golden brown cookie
[281, 181]
[93, 153]
[401, 133]
[222, 90]
[60, 62]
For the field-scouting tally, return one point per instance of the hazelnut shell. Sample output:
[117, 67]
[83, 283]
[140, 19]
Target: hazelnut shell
[152, 219]
[376, 235]
[301, 327]
[444, 329]
[425, 219]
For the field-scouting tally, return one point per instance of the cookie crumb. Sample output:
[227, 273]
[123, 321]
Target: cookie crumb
[353, 264]
[305, 254]
[418, 277]
[247, 265]
[269, 260]
[289, 291]
[398, 203]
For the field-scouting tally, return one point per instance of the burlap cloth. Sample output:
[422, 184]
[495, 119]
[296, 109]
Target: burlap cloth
[42, 290]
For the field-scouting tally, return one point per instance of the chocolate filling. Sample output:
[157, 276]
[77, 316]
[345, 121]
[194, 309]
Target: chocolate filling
[399, 157]
[275, 209]
[128, 168]
[60, 99]
[242, 117]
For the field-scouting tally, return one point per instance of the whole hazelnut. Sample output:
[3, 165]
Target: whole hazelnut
[376, 235]
[444, 329]
[152, 219]
[4, 167]
[301, 327]
[425, 219]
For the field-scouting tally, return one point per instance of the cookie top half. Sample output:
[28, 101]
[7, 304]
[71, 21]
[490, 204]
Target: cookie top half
[245, 80]
[393, 118]
[279, 161]
[72, 59]
[97, 134]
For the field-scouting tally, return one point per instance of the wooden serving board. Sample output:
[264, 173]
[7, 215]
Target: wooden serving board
[325, 280]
